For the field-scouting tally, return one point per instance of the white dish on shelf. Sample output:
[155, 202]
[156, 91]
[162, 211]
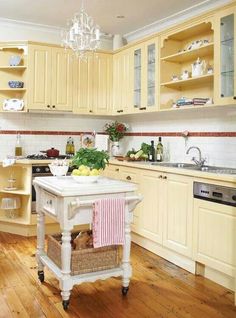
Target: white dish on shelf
[13, 104]
[85, 179]
[14, 60]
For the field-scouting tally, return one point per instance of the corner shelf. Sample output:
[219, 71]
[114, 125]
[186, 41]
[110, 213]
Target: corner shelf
[20, 67]
[18, 192]
[190, 55]
[208, 78]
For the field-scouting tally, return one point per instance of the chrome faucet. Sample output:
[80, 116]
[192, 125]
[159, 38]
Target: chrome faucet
[200, 162]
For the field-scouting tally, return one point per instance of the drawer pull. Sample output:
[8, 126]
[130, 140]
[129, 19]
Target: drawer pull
[117, 170]
[128, 178]
[165, 177]
[160, 177]
[49, 202]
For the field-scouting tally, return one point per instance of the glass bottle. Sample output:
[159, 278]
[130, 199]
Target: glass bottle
[159, 152]
[151, 156]
[18, 147]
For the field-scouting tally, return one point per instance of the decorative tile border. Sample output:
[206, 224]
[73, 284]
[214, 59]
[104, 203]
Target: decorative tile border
[133, 134]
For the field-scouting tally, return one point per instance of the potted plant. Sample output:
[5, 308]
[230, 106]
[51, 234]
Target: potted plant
[88, 163]
[116, 132]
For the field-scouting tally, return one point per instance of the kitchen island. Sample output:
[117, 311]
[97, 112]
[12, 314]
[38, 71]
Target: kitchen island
[70, 204]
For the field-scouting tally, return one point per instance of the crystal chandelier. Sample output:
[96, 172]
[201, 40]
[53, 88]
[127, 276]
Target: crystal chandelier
[81, 35]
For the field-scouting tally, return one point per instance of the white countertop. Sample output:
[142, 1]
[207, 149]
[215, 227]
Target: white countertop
[66, 186]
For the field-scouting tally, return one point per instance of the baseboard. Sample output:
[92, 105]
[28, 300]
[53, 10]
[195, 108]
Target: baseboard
[171, 256]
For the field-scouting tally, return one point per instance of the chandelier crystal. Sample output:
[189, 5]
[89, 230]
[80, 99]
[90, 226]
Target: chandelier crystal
[81, 35]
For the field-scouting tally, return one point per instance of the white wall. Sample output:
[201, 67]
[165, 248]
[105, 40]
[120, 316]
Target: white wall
[44, 122]
[219, 151]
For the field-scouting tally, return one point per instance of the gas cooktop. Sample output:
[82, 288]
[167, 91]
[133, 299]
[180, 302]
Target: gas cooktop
[44, 157]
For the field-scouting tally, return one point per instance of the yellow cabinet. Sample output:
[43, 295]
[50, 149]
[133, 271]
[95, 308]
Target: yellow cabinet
[93, 85]
[50, 78]
[216, 250]
[145, 78]
[152, 188]
[112, 171]
[178, 213]
[225, 57]
[122, 91]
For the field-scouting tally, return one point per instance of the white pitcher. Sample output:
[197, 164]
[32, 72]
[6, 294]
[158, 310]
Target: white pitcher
[198, 67]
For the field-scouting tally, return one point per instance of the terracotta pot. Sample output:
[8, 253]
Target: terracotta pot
[51, 152]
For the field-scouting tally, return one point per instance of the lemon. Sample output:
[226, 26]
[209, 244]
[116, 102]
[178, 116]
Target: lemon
[85, 172]
[94, 172]
[82, 167]
[75, 172]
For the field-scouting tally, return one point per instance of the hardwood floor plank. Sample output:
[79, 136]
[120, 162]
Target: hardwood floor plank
[158, 289]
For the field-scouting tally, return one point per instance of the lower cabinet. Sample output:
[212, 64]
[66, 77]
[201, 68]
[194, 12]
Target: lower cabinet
[178, 213]
[214, 236]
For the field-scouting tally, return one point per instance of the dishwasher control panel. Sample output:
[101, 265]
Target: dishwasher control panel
[214, 193]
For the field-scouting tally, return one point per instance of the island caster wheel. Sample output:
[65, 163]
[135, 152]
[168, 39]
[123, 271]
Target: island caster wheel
[41, 276]
[65, 304]
[124, 290]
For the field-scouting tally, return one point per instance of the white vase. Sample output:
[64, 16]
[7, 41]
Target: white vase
[115, 148]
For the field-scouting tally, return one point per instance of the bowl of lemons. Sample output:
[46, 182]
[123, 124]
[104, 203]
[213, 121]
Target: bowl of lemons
[85, 174]
[88, 163]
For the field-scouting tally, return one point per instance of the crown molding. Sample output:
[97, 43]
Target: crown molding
[176, 18]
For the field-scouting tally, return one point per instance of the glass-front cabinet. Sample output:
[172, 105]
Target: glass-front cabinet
[225, 57]
[145, 76]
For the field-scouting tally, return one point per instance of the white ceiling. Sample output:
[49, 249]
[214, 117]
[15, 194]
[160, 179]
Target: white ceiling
[138, 13]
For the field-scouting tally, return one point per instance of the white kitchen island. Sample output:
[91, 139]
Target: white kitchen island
[70, 204]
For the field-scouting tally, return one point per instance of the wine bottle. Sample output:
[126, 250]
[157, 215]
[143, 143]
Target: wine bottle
[159, 150]
[151, 156]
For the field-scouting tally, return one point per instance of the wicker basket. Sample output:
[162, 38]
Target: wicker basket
[85, 260]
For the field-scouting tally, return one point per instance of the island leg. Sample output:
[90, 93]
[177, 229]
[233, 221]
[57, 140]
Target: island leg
[127, 269]
[40, 244]
[65, 281]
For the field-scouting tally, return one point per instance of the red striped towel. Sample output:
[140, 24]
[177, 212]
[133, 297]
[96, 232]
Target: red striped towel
[108, 222]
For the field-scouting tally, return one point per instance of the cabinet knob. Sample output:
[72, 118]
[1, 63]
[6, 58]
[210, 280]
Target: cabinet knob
[165, 177]
[234, 97]
[53, 106]
[128, 178]
[222, 95]
[90, 111]
[48, 106]
[142, 108]
[117, 170]
[160, 177]
[121, 110]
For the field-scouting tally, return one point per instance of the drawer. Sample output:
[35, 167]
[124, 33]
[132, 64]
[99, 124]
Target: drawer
[49, 203]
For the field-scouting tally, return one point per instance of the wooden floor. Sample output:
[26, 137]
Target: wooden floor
[158, 289]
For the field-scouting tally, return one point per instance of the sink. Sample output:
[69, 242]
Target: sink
[174, 164]
[211, 169]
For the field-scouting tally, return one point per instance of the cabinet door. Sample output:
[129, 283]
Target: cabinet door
[151, 78]
[122, 91]
[61, 79]
[102, 86]
[138, 77]
[112, 171]
[216, 250]
[152, 189]
[40, 80]
[83, 86]
[178, 214]
[225, 57]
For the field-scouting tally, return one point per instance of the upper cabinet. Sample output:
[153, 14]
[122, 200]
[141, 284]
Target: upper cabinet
[187, 66]
[13, 76]
[50, 78]
[225, 57]
[145, 76]
[93, 84]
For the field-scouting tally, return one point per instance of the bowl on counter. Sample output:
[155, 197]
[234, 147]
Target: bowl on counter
[58, 171]
[85, 179]
[16, 84]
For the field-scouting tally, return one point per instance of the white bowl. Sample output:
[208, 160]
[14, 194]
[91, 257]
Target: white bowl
[85, 179]
[58, 171]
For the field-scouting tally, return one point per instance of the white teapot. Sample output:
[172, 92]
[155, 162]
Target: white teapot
[198, 68]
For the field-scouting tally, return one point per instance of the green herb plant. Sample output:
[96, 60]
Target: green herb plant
[90, 157]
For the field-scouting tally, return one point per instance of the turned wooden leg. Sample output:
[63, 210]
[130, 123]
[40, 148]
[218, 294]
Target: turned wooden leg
[40, 244]
[127, 269]
[65, 281]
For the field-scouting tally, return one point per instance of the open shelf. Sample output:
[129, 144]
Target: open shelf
[18, 220]
[18, 192]
[20, 67]
[188, 107]
[190, 55]
[208, 78]
[12, 89]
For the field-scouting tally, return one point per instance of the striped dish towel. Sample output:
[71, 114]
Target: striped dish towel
[108, 222]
